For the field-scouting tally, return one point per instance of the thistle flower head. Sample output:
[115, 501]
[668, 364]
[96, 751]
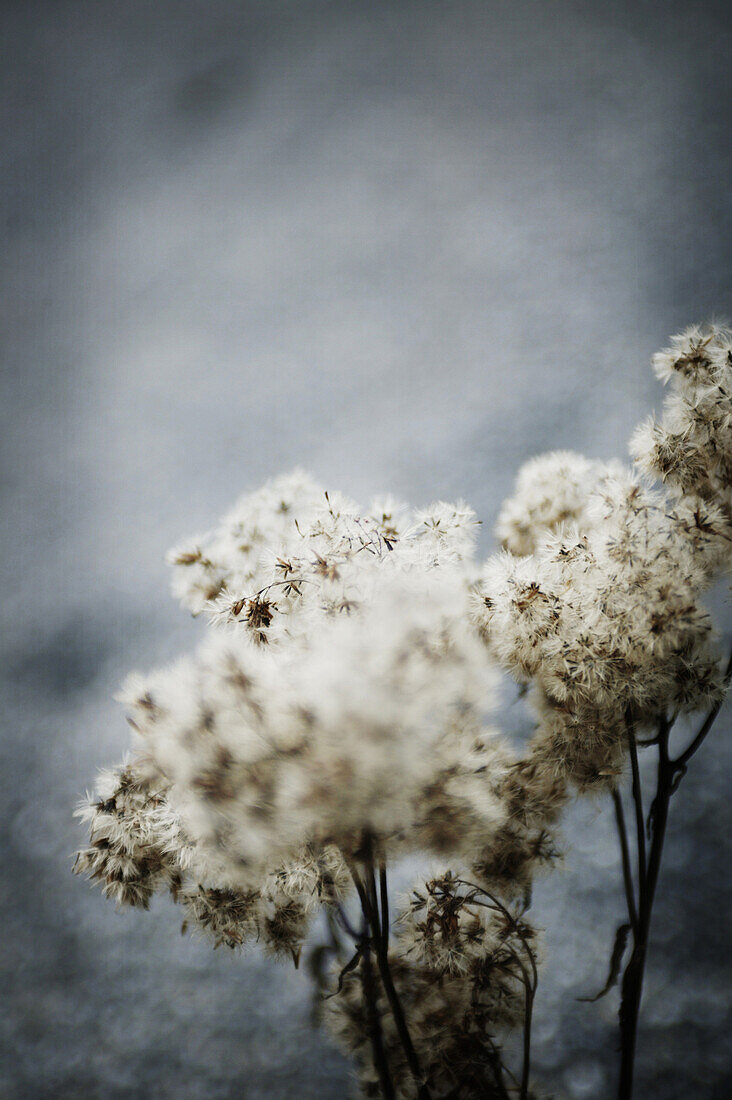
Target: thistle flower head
[336, 736]
[690, 448]
[551, 494]
[292, 552]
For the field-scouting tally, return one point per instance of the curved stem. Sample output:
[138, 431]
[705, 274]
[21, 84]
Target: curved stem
[625, 853]
[397, 1011]
[530, 984]
[498, 1071]
[373, 1023]
[669, 774]
[632, 986]
[637, 796]
[384, 892]
[512, 920]
[528, 1014]
[367, 896]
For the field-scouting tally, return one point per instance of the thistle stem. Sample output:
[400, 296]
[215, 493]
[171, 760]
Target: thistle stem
[632, 985]
[397, 1011]
[669, 774]
[380, 937]
[625, 853]
[637, 796]
[374, 1023]
[530, 982]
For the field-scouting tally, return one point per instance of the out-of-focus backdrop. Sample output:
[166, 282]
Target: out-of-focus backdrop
[404, 245]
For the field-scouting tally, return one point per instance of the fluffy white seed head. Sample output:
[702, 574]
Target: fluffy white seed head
[551, 493]
[338, 735]
[690, 448]
[292, 552]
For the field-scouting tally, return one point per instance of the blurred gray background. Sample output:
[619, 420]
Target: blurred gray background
[405, 245]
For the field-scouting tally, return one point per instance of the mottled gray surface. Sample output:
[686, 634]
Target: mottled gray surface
[405, 245]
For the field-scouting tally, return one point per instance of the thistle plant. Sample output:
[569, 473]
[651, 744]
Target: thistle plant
[340, 716]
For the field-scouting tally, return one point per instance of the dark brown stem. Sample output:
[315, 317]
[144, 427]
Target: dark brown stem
[498, 1070]
[528, 1013]
[401, 1025]
[637, 796]
[384, 892]
[496, 904]
[625, 853]
[367, 896]
[397, 1011]
[530, 983]
[670, 772]
[373, 1022]
[632, 986]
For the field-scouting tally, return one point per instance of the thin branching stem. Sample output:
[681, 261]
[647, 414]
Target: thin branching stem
[498, 1070]
[496, 904]
[637, 796]
[397, 1011]
[381, 1063]
[528, 1015]
[530, 983]
[668, 776]
[632, 984]
[373, 1020]
[529, 990]
[368, 897]
[384, 893]
[625, 854]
